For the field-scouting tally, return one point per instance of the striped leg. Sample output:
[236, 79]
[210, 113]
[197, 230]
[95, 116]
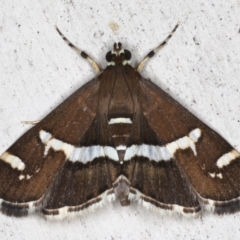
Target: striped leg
[82, 54]
[152, 53]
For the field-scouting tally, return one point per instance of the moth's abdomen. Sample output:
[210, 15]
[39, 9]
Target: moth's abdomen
[120, 129]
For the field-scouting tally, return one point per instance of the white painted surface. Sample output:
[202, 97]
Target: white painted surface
[199, 67]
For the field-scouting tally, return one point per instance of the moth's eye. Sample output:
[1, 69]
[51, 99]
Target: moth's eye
[109, 56]
[127, 54]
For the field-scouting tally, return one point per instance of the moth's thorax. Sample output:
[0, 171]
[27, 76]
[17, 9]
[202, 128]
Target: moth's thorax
[117, 87]
[118, 56]
[121, 101]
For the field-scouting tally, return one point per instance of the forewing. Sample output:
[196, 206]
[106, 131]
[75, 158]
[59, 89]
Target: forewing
[38, 162]
[208, 162]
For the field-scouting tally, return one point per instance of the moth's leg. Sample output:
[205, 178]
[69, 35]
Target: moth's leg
[152, 53]
[30, 122]
[82, 53]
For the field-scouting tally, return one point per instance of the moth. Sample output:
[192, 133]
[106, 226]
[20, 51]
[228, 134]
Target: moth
[119, 136]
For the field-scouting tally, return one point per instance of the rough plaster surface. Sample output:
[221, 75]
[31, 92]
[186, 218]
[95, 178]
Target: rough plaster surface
[200, 67]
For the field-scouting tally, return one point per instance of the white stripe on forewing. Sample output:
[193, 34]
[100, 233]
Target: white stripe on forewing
[72, 153]
[227, 158]
[14, 161]
[158, 153]
[55, 144]
[120, 120]
[87, 154]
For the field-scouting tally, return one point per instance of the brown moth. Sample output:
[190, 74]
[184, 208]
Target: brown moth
[119, 137]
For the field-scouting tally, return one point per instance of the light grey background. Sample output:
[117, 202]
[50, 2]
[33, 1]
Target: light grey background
[200, 67]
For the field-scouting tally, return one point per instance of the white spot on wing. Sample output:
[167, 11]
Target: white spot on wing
[45, 136]
[195, 134]
[21, 177]
[120, 120]
[121, 147]
[28, 176]
[14, 161]
[219, 175]
[214, 175]
[227, 158]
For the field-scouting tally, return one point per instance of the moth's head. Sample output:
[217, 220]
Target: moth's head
[118, 56]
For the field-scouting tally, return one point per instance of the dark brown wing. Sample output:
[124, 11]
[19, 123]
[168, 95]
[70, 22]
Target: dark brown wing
[206, 161]
[154, 177]
[53, 166]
